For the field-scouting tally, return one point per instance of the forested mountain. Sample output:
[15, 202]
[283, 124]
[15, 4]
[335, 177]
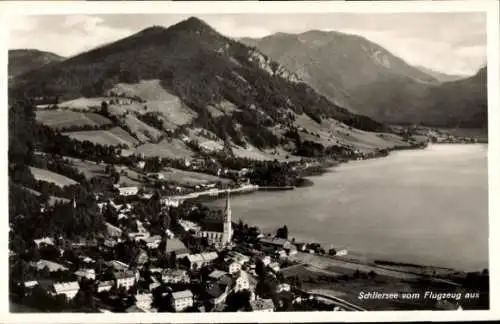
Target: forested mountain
[24, 60]
[202, 68]
[363, 76]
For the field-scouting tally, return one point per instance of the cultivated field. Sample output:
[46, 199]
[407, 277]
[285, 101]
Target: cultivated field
[114, 136]
[182, 177]
[49, 176]
[52, 200]
[332, 132]
[128, 177]
[58, 119]
[83, 103]
[89, 169]
[142, 131]
[174, 149]
[157, 99]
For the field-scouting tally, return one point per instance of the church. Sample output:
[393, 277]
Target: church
[219, 234]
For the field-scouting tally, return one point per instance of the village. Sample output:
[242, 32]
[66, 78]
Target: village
[134, 267]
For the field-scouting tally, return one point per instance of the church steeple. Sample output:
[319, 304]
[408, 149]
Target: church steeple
[227, 220]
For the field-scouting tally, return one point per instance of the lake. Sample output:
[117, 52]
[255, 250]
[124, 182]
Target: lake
[425, 206]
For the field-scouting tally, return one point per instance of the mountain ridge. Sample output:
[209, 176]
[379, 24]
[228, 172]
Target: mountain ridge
[205, 71]
[26, 59]
[364, 77]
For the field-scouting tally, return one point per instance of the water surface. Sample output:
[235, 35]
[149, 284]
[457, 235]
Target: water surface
[422, 206]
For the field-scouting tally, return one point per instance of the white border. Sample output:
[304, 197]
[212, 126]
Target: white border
[10, 8]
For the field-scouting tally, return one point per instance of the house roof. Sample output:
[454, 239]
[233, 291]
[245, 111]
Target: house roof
[176, 245]
[106, 283]
[182, 294]
[66, 286]
[118, 265]
[212, 226]
[45, 240]
[124, 274]
[52, 266]
[216, 290]
[209, 256]
[174, 272]
[216, 274]
[225, 280]
[84, 272]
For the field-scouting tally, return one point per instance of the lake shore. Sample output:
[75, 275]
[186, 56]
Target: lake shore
[251, 216]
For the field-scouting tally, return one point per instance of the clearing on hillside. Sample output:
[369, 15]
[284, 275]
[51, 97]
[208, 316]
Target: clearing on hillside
[90, 169]
[190, 178]
[52, 199]
[83, 103]
[49, 176]
[141, 130]
[332, 132]
[157, 100]
[114, 137]
[61, 119]
[171, 148]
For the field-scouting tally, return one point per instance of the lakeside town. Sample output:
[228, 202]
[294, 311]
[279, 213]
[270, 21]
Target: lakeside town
[162, 250]
[120, 153]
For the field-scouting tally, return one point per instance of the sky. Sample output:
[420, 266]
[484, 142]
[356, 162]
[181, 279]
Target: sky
[452, 43]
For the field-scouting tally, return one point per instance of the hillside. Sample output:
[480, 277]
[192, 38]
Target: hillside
[363, 76]
[189, 76]
[24, 60]
[442, 77]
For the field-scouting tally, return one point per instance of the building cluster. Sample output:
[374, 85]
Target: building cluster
[163, 274]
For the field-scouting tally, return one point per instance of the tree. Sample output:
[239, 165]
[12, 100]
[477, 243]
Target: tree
[104, 108]
[282, 232]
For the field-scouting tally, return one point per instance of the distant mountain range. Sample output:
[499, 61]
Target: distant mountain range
[366, 78]
[442, 77]
[233, 91]
[24, 60]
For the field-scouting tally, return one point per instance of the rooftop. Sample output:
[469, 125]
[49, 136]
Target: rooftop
[65, 286]
[124, 274]
[182, 294]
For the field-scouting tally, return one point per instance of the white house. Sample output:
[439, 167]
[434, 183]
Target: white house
[143, 301]
[69, 289]
[181, 300]
[238, 257]
[86, 273]
[202, 259]
[141, 164]
[44, 241]
[30, 284]
[125, 279]
[282, 287]
[169, 201]
[105, 286]
[232, 267]
[128, 191]
[174, 276]
[275, 266]
[244, 281]
[266, 260]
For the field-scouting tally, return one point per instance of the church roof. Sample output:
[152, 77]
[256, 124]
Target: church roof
[212, 226]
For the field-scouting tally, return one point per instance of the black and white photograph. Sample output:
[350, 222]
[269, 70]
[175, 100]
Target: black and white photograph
[192, 161]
